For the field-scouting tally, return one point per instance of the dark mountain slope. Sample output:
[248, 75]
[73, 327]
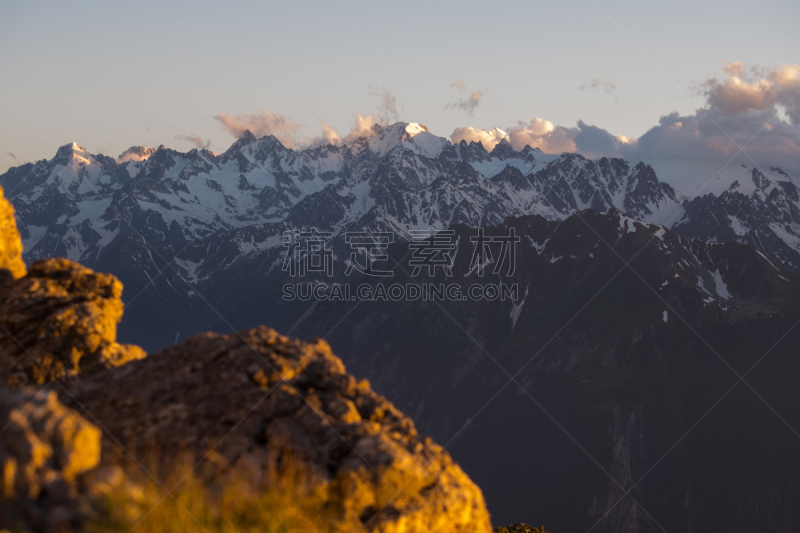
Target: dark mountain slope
[604, 375]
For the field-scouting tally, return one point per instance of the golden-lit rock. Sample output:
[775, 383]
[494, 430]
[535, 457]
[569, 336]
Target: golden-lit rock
[10, 243]
[269, 406]
[58, 320]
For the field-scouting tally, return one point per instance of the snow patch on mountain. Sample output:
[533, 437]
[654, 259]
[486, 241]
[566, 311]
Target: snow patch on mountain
[720, 287]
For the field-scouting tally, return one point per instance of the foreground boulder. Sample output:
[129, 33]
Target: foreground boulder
[58, 320]
[44, 448]
[276, 411]
[256, 402]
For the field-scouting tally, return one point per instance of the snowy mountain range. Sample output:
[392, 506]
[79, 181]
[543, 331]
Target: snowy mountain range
[219, 219]
[401, 178]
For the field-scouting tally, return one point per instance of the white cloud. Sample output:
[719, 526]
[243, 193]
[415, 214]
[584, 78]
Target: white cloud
[753, 108]
[489, 139]
[537, 133]
[264, 123]
[544, 135]
[365, 128]
[755, 89]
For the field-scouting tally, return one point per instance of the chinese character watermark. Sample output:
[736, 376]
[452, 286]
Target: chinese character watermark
[373, 246]
[307, 252]
[430, 250]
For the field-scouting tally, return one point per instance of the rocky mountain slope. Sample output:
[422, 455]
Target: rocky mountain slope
[605, 397]
[758, 211]
[255, 403]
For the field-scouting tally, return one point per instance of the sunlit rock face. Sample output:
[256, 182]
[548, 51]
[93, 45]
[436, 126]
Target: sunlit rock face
[59, 320]
[10, 244]
[259, 400]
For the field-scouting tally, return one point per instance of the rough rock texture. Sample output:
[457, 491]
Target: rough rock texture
[10, 243]
[58, 320]
[44, 447]
[255, 399]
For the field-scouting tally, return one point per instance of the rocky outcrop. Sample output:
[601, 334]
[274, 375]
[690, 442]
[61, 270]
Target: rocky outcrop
[10, 243]
[44, 448]
[58, 320]
[255, 403]
[256, 399]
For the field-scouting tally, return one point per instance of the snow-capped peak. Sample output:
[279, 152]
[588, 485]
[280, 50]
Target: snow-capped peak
[414, 128]
[72, 148]
[413, 136]
[73, 153]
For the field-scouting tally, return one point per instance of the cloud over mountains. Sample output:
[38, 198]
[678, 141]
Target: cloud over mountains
[264, 123]
[749, 113]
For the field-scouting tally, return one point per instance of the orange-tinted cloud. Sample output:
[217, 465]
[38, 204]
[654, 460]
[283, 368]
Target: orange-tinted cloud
[489, 139]
[537, 133]
[264, 123]
[755, 89]
[365, 128]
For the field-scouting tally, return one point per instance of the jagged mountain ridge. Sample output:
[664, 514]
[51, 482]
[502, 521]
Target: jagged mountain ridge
[403, 176]
[175, 227]
[760, 212]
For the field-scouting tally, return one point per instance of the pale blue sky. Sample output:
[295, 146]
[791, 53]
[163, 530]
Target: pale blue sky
[67, 66]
